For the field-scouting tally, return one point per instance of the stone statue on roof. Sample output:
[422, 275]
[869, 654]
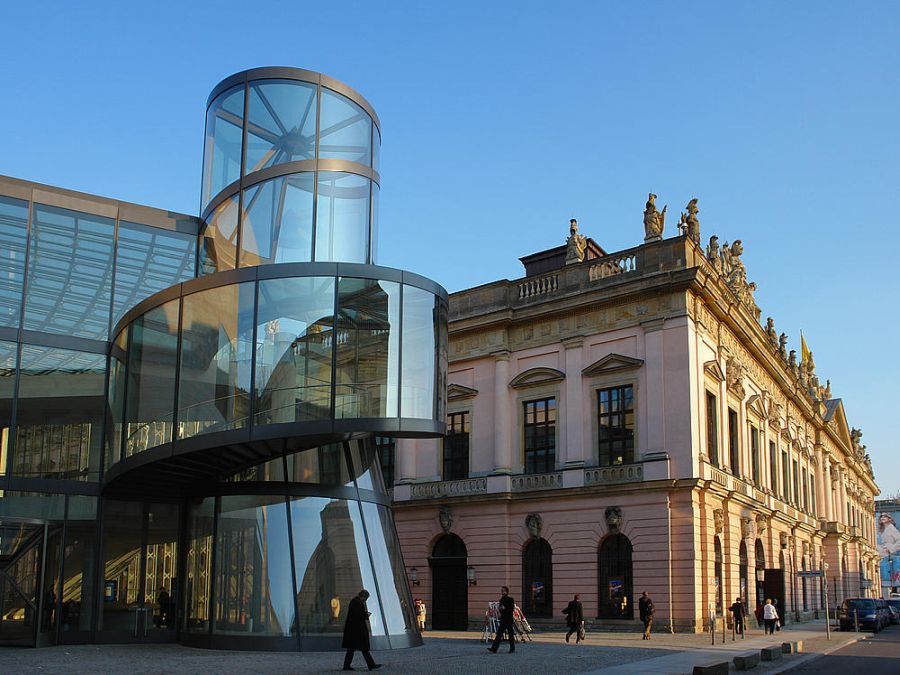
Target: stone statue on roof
[690, 224]
[654, 221]
[576, 244]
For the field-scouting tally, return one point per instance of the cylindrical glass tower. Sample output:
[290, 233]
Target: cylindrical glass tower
[255, 391]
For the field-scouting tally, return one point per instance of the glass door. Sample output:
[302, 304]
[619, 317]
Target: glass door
[21, 558]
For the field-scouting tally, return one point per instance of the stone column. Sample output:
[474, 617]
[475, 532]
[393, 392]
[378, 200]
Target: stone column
[826, 480]
[504, 420]
[842, 497]
[575, 450]
[819, 473]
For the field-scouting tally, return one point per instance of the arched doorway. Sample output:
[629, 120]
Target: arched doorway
[450, 590]
[743, 571]
[537, 578]
[760, 573]
[615, 596]
[717, 551]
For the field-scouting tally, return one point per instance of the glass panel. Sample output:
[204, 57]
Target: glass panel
[148, 260]
[325, 465]
[293, 350]
[122, 591]
[199, 559]
[152, 354]
[8, 354]
[368, 351]
[417, 397]
[116, 399]
[216, 351]
[376, 196]
[254, 589]
[331, 564]
[342, 217]
[161, 555]
[218, 239]
[69, 273]
[344, 130]
[59, 414]
[13, 234]
[389, 569]
[222, 149]
[273, 470]
[366, 465]
[51, 578]
[376, 150]
[278, 221]
[281, 123]
[79, 562]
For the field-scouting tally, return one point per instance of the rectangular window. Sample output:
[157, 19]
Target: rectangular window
[540, 435]
[773, 467]
[812, 494]
[615, 425]
[712, 429]
[804, 495]
[456, 446]
[387, 453]
[754, 454]
[785, 477]
[795, 500]
[734, 448]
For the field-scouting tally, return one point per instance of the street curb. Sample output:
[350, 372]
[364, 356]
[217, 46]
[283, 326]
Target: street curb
[807, 658]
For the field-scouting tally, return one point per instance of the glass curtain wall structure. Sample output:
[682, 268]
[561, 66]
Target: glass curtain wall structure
[189, 406]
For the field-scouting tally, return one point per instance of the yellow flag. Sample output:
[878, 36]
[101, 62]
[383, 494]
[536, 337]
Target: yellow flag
[804, 349]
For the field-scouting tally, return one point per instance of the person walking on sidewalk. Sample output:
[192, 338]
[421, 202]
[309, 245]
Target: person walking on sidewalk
[770, 616]
[574, 619]
[646, 609]
[738, 613]
[507, 608]
[356, 631]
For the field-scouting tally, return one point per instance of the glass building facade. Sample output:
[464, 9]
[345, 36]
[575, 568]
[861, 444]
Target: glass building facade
[189, 405]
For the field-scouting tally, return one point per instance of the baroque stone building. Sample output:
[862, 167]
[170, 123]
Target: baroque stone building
[622, 422]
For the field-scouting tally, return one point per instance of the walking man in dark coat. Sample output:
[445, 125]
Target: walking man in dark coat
[574, 618]
[356, 631]
[507, 607]
[646, 609]
[738, 611]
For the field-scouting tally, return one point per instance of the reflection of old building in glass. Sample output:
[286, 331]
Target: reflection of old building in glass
[189, 406]
[620, 423]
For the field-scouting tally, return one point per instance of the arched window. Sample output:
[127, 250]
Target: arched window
[537, 578]
[760, 573]
[743, 571]
[805, 590]
[615, 595]
[450, 589]
[718, 575]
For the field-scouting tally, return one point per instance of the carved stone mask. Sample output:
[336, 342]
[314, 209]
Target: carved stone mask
[445, 518]
[613, 517]
[719, 520]
[761, 524]
[783, 539]
[747, 528]
[535, 524]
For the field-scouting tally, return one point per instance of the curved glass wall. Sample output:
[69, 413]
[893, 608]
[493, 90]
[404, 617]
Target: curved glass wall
[281, 350]
[294, 181]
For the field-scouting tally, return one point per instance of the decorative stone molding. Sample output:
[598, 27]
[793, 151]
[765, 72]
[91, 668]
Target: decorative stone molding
[612, 363]
[783, 540]
[534, 523]
[719, 520]
[747, 528]
[457, 392]
[714, 370]
[762, 523]
[537, 376]
[445, 518]
[754, 404]
[734, 377]
[613, 518]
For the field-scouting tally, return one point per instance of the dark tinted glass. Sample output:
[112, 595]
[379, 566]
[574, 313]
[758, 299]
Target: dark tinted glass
[13, 231]
[198, 567]
[69, 273]
[121, 558]
[8, 354]
[116, 399]
[324, 465]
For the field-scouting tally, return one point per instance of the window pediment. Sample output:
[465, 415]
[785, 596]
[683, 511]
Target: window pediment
[714, 370]
[457, 392]
[536, 376]
[754, 405]
[612, 363]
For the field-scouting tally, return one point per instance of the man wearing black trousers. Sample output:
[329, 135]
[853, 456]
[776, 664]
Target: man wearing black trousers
[356, 631]
[507, 607]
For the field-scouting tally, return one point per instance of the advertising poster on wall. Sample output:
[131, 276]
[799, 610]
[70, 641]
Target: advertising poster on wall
[887, 535]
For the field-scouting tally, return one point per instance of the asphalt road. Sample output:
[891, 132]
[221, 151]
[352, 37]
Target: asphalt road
[879, 655]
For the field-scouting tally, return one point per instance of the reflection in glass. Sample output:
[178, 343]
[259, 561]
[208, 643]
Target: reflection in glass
[51, 579]
[152, 354]
[389, 569]
[331, 564]
[149, 259]
[216, 352]
[376, 196]
[293, 351]
[198, 566]
[376, 149]
[277, 225]
[79, 562]
[366, 465]
[59, 414]
[69, 273]
[324, 465]
[13, 233]
[218, 239]
[344, 130]
[115, 413]
[254, 588]
[222, 149]
[8, 353]
[281, 123]
[368, 353]
[121, 564]
[342, 217]
[273, 470]
[161, 564]
[418, 393]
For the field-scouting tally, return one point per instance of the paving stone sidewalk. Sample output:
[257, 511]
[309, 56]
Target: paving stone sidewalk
[443, 652]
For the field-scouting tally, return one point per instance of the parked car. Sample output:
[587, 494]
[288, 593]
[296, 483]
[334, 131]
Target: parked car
[884, 614]
[862, 609]
[895, 613]
[894, 603]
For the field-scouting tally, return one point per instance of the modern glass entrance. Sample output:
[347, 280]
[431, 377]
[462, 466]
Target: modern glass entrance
[22, 550]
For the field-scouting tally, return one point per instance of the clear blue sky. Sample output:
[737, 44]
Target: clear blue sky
[502, 120]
